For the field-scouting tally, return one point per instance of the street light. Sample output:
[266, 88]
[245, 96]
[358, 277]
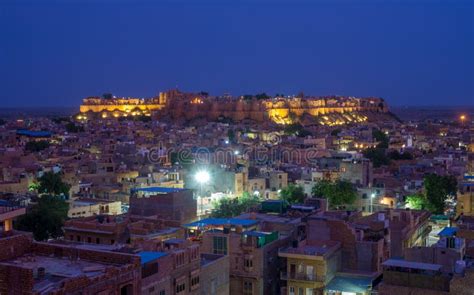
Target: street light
[372, 196]
[202, 177]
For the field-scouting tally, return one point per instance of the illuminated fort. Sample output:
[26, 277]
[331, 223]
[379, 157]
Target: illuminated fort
[176, 105]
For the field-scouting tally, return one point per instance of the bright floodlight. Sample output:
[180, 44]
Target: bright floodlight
[372, 195]
[202, 177]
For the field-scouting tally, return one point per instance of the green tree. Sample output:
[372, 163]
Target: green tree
[296, 129]
[36, 146]
[417, 202]
[51, 183]
[377, 156]
[45, 219]
[230, 207]
[231, 135]
[262, 95]
[338, 193]
[73, 128]
[381, 137]
[437, 189]
[293, 194]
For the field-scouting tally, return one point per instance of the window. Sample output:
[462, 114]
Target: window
[220, 245]
[180, 288]
[291, 291]
[89, 240]
[248, 263]
[97, 240]
[309, 291]
[194, 281]
[162, 292]
[300, 291]
[248, 288]
[179, 257]
[78, 238]
[112, 242]
[151, 289]
[300, 268]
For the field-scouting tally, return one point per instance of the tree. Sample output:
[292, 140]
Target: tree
[377, 156]
[417, 202]
[2, 122]
[262, 95]
[293, 194]
[395, 155]
[50, 183]
[437, 189]
[231, 135]
[296, 129]
[338, 193]
[73, 128]
[45, 219]
[59, 120]
[230, 207]
[336, 132]
[36, 146]
[381, 138]
[107, 96]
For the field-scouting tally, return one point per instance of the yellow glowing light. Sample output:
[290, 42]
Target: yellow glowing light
[462, 117]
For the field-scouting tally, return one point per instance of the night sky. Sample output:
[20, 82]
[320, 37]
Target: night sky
[54, 53]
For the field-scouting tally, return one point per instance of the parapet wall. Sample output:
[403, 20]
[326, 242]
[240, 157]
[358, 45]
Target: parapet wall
[188, 106]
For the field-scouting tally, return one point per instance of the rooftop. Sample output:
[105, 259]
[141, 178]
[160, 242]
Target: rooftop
[56, 269]
[349, 284]
[317, 248]
[413, 265]
[158, 190]
[221, 222]
[150, 256]
[448, 232]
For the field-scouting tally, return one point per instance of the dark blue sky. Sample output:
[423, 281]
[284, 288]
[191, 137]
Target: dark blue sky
[54, 53]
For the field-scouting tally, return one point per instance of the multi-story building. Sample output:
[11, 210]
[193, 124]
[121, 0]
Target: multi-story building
[8, 213]
[253, 255]
[28, 267]
[214, 276]
[406, 277]
[310, 267]
[465, 197]
[90, 207]
[164, 203]
[136, 232]
[408, 228]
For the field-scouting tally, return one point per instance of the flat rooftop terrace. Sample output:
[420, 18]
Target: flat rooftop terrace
[56, 269]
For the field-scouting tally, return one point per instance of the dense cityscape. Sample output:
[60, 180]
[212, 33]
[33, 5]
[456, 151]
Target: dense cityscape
[236, 147]
[188, 193]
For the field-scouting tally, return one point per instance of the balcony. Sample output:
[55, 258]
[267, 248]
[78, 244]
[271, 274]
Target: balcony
[285, 276]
